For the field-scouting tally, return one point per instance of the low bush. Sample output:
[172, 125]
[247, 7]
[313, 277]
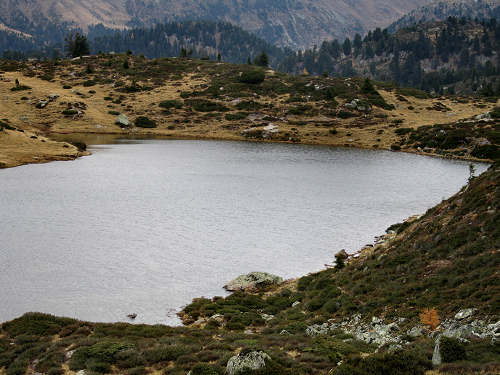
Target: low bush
[399, 363]
[20, 88]
[204, 105]
[70, 112]
[452, 349]
[89, 83]
[169, 104]
[345, 114]
[236, 116]
[486, 152]
[252, 77]
[144, 122]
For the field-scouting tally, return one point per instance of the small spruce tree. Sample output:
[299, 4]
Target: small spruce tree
[77, 45]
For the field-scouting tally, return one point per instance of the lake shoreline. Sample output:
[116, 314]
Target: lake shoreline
[69, 153]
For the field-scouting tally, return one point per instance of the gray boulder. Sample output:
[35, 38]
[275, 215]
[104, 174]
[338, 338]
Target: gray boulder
[317, 329]
[415, 331]
[253, 280]
[436, 356]
[465, 313]
[122, 120]
[246, 361]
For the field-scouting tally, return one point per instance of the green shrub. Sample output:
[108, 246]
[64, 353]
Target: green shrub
[495, 112]
[144, 122]
[345, 114]
[168, 104]
[236, 116]
[114, 113]
[416, 93]
[67, 87]
[204, 105]
[98, 366]
[486, 152]
[399, 363]
[89, 83]
[70, 112]
[204, 369]
[20, 88]
[249, 105]
[252, 77]
[36, 324]
[165, 353]
[452, 349]
[403, 131]
[81, 146]
[300, 109]
[395, 147]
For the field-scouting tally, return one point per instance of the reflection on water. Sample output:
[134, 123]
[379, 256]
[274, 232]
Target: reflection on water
[144, 226]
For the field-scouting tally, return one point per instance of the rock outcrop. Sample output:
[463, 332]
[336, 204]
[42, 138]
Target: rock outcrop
[253, 281]
[254, 360]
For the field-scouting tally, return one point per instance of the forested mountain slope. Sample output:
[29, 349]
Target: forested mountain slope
[292, 23]
[456, 55]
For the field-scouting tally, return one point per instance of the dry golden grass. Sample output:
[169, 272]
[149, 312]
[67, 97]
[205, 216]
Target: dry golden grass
[374, 132]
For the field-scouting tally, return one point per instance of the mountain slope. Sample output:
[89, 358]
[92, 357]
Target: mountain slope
[456, 55]
[440, 10]
[293, 23]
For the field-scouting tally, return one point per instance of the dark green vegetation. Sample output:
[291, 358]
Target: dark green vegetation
[200, 39]
[479, 138]
[145, 122]
[459, 56]
[444, 260]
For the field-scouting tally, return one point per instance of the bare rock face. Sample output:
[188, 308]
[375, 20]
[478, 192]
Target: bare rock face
[253, 281]
[246, 361]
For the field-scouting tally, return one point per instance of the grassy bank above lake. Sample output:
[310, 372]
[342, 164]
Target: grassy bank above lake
[183, 98]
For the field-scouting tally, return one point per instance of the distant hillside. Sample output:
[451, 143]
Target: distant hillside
[441, 10]
[457, 56]
[204, 39]
[290, 23]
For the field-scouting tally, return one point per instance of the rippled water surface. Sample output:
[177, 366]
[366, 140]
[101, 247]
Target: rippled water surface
[145, 226]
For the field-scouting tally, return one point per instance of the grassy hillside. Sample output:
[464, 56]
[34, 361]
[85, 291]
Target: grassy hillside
[190, 98]
[424, 272]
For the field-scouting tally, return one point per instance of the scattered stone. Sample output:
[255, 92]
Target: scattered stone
[122, 120]
[465, 313]
[318, 329]
[252, 281]
[284, 332]
[218, 318]
[68, 355]
[243, 362]
[42, 104]
[296, 303]
[415, 331]
[267, 317]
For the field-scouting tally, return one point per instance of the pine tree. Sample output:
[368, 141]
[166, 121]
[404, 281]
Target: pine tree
[77, 45]
[262, 59]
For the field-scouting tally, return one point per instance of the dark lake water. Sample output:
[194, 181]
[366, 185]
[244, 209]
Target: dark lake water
[145, 226]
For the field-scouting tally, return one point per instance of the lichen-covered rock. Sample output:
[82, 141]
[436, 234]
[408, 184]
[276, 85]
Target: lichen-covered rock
[122, 120]
[436, 355]
[465, 313]
[252, 281]
[318, 329]
[254, 360]
[415, 331]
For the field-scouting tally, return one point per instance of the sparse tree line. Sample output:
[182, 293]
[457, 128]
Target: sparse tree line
[460, 51]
